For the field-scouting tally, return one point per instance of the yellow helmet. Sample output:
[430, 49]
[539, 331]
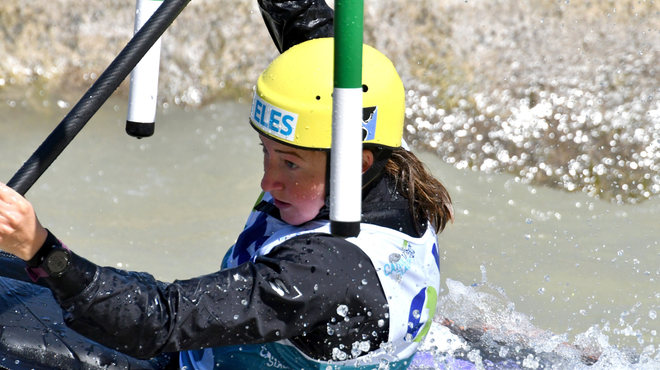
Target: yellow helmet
[293, 101]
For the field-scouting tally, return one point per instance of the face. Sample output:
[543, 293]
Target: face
[296, 180]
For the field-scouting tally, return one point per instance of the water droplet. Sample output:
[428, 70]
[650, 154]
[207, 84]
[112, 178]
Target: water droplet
[365, 346]
[546, 278]
[394, 257]
[383, 366]
[342, 310]
[474, 356]
[364, 281]
[653, 315]
[235, 317]
[528, 221]
[530, 361]
[338, 354]
[381, 323]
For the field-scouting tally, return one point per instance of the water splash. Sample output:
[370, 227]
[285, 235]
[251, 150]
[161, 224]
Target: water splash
[484, 329]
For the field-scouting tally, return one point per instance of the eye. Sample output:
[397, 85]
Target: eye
[291, 164]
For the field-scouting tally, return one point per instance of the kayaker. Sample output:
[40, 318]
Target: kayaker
[289, 294]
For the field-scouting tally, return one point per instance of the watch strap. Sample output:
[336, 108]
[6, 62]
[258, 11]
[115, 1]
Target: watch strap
[33, 268]
[36, 272]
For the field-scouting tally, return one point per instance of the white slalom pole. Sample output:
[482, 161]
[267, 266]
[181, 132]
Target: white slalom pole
[346, 162]
[143, 93]
[346, 152]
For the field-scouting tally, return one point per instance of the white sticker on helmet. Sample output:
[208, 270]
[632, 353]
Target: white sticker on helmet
[273, 120]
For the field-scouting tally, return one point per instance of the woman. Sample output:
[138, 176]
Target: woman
[289, 294]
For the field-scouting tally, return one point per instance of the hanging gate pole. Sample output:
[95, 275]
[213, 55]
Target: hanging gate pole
[94, 98]
[143, 90]
[346, 152]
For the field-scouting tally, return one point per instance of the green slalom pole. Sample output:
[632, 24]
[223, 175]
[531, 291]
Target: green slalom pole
[346, 152]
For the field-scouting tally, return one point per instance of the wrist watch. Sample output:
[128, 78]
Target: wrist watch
[52, 259]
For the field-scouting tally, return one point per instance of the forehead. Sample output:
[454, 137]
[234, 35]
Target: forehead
[304, 154]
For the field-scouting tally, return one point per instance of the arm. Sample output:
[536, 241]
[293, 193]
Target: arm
[293, 290]
[292, 22]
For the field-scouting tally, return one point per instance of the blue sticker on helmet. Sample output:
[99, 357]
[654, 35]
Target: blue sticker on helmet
[273, 120]
[369, 120]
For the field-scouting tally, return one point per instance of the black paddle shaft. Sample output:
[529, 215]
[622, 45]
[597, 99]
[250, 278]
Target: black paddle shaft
[96, 96]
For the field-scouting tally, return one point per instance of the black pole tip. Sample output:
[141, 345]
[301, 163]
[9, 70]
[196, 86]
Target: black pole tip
[344, 229]
[140, 129]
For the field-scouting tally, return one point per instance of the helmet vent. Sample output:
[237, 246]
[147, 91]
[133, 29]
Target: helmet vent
[365, 88]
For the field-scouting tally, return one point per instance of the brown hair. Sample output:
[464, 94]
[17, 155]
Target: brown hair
[425, 194]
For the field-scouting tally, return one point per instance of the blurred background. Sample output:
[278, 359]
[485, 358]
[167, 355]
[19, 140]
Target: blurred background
[560, 93]
[542, 118]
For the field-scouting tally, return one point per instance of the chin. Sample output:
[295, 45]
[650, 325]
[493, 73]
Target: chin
[295, 219]
[292, 221]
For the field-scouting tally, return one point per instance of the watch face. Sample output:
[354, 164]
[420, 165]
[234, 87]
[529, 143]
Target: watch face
[57, 261]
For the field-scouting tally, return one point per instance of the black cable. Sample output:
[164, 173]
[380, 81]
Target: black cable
[96, 96]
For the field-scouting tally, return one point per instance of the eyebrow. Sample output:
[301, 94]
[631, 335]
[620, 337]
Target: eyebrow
[290, 153]
[280, 151]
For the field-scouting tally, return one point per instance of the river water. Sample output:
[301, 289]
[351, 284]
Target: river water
[517, 256]
[544, 125]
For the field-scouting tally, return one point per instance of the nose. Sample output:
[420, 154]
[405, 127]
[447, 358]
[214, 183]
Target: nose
[271, 179]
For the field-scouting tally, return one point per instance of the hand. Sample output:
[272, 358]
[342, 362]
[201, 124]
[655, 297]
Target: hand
[21, 234]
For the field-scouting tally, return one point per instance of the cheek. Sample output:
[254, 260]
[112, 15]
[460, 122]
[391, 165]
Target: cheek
[311, 191]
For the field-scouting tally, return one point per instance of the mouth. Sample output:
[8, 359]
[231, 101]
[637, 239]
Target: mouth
[280, 204]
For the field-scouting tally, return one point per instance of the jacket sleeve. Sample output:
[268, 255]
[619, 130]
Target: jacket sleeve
[292, 22]
[293, 290]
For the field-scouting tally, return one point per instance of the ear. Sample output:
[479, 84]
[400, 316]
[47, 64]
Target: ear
[367, 159]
